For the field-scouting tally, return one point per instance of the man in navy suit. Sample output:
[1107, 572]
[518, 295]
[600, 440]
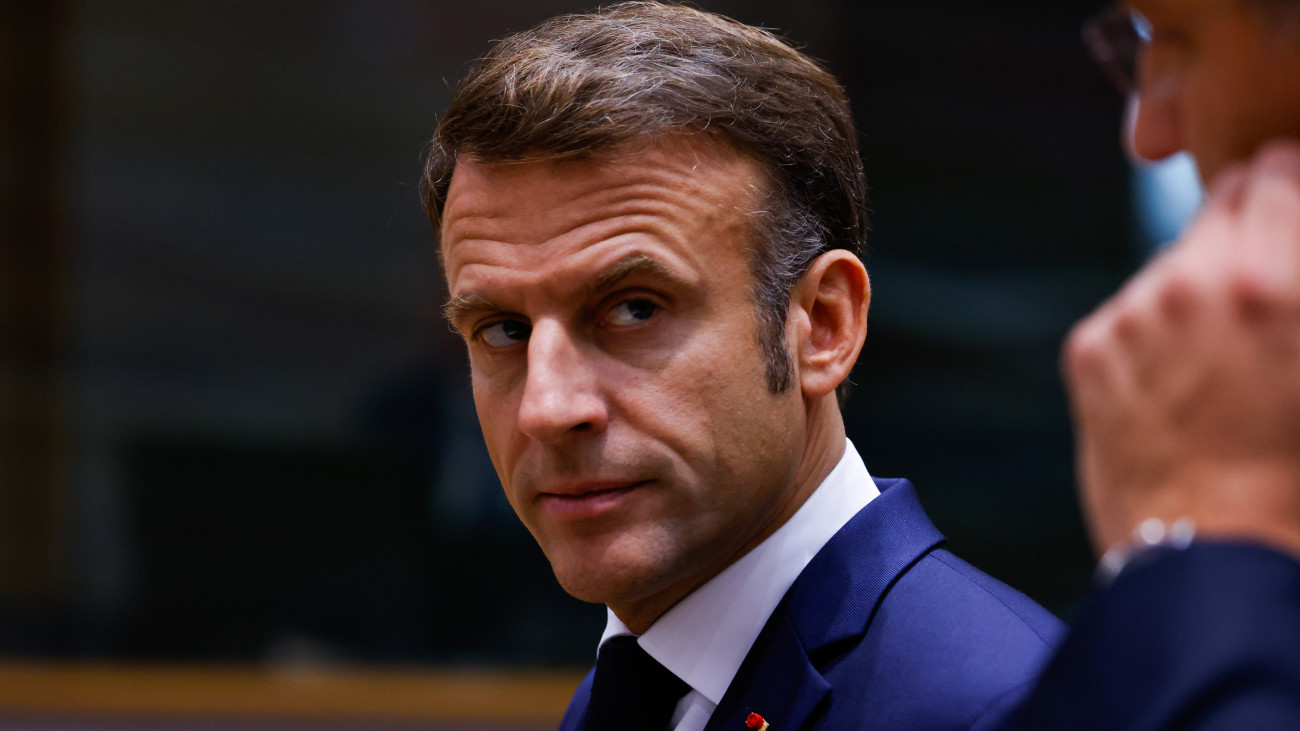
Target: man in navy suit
[650, 220]
[1186, 393]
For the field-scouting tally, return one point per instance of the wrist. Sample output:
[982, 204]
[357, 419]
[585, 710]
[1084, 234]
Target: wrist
[1151, 537]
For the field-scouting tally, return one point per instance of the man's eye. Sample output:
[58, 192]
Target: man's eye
[505, 333]
[631, 312]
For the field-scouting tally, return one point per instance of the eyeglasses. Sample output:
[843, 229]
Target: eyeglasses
[1114, 37]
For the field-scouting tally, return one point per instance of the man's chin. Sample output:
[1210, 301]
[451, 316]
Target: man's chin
[610, 582]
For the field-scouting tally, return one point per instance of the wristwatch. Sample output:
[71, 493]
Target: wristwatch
[1150, 538]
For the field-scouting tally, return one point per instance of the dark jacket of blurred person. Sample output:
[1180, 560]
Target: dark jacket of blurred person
[1186, 395]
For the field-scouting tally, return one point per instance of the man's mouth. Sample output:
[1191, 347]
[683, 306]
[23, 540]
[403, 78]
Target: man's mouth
[587, 500]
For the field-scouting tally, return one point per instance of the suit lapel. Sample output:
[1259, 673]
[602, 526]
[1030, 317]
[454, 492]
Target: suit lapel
[833, 600]
[575, 716]
[779, 683]
[839, 591]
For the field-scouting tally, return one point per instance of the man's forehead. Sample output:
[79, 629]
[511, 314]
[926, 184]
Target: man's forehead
[693, 165]
[1146, 7]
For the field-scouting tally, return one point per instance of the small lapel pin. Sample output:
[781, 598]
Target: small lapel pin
[754, 720]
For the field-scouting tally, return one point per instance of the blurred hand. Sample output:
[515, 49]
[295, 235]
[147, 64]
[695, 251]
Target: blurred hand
[1185, 387]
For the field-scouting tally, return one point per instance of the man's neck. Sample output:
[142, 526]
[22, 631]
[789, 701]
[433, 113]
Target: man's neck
[823, 448]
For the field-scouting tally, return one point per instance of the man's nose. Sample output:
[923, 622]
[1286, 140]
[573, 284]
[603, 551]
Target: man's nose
[1153, 128]
[1154, 123]
[562, 392]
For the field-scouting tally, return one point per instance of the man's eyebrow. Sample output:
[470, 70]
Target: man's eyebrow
[636, 264]
[462, 305]
[458, 307]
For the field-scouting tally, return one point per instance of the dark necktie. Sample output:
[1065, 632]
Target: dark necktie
[631, 691]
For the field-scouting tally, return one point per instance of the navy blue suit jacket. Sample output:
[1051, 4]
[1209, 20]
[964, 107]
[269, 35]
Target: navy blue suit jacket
[885, 630]
[1203, 639]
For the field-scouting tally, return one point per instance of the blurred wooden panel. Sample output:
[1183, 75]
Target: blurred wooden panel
[188, 692]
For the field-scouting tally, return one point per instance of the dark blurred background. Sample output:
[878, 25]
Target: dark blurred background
[233, 428]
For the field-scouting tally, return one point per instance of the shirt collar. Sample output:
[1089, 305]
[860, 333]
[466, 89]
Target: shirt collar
[705, 637]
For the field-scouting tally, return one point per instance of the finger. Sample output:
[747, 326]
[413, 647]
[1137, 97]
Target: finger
[1269, 240]
[1095, 365]
[1155, 308]
[1211, 230]
[1227, 189]
[1203, 260]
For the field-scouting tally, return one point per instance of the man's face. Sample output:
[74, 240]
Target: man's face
[1218, 78]
[608, 310]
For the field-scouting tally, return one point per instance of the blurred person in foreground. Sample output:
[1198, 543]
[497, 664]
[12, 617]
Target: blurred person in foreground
[650, 220]
[1186, 395]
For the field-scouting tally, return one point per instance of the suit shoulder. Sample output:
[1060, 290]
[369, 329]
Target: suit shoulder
[1047, 626]
[971, 613]
[948, 647]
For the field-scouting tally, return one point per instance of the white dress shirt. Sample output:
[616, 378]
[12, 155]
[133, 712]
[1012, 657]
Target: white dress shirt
[705, 637]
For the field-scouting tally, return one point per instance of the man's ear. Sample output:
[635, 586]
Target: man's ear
[828, 308]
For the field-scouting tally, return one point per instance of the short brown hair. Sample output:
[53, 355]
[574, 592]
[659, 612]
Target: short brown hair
[580, 83]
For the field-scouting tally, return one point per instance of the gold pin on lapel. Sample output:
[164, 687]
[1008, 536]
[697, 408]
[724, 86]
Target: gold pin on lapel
[755, 721]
